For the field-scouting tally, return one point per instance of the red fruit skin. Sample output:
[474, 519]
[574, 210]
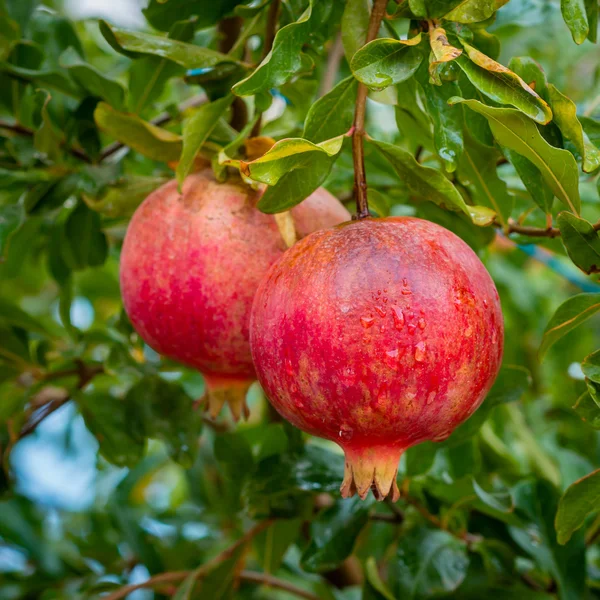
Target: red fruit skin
[190, 266]
[377, 334]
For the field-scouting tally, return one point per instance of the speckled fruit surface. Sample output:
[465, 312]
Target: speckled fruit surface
[377, 334]
[190, 265]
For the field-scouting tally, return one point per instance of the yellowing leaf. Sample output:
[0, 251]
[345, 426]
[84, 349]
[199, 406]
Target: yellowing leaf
[502, 85]
[442, 52]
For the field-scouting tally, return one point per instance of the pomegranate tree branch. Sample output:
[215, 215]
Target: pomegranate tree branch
[549, 232]
[198, 573]
[358, 152]
[25, 131]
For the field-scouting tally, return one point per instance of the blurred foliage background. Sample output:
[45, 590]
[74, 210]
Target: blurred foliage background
[109, 474]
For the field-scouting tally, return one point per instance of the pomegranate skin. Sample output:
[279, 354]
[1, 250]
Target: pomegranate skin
[377, 334]
[190, 266]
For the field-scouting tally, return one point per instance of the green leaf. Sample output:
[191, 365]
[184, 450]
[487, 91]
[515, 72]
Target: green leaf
[581, 499]
[106, 418]
[355, 23]
[429, 184]
[515, 131]
[587, 410]
[134, 44]
[448, 123]
[11, 314]
[581, 241]
[428, 563]
[84, 244]
[333, 534]
[565, 116]
[143, 137]
[92, 80]
[47, 139]
[575, 15]
[477, 168]
[122, 199]
[196, 131]
[502, 85]
[498, 500]
[271, 544]
[385, 62]
[12, 217]
[332, 114]
[591, 366]
[532, 179]
[162, 14]
[162, 410]
[538, 501]
[472, 11]
[591, 11]
[285, 58]
[293, 168]
[46, 78]
[374, 588]
[571, 313]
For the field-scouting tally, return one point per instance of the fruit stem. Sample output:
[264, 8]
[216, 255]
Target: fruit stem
[358, 152]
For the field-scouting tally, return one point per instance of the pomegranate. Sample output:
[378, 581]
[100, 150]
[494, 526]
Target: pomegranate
[377, 334]
[190, 266]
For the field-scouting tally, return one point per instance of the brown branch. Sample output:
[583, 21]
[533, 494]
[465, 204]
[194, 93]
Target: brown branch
[198, 573]
[160, 120]
[358, 151]
[85, 373]
[275, 582]
[334, 58]
[25, 131]
[549, 232]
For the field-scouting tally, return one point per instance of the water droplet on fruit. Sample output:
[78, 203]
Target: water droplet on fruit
[346, 432]
[380, 311]
[392, 353]
[431, 397]
[367, 322]
[404, 281]
[412, 328]
[382, 328]
[398, 317]
[469, 331]
[420, 352]
[345, 308]
[485, 302]
[422, 323]
[289, 367]
[384, 300]
[406, 292]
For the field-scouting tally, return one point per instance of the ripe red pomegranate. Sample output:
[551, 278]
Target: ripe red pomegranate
[377, 334]
[190, 266]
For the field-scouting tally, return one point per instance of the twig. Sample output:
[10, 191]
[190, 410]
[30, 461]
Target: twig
[25, 131]
[275, 582]
[593, 533]
[549, 232]
[161, 119]
[336, 53]
[85, 372]
[358, 151]
[198, 573]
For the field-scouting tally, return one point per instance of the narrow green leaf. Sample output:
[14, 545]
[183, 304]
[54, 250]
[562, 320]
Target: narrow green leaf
[135, 44]
[472, 11]
[272, 544]
[429, 184]
[501, 501]
[12, 217]
[332, 114]
[591, 366]
[580, 500]
[532, 179]
[84, 244]
[448, 123]
[143, 137]
[568, 316]
[285, 58]
[46, 78]
[333, 534]
[92, 80]
[385, 62]
[565, 116]
[12, 315]
[575, 15]
[514, 130]
[196, 131]
[591, 10]
[502, 85]
[587, 410]
[374, 588]
[477, 167]
[581, 241]
[47, 138]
